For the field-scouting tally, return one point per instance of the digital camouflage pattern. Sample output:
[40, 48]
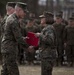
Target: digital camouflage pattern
[11, 38]
[47, 44]
[2, 23]
[12, 35]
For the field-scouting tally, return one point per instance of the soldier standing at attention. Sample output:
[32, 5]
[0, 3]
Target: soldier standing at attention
[11, 38]
[10, 8]
[69, 41]
[63, 20]
[59, 28]
[31, 27]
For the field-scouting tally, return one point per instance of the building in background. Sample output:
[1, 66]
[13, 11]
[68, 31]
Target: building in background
[68, 8]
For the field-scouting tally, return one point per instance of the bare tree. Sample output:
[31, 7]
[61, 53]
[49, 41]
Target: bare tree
[58, 5]
[49, 5]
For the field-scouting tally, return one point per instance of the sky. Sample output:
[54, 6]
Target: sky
[42, 2]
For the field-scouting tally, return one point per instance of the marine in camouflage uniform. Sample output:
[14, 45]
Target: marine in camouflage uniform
[30, 27]
[11, 37]
[9, 6]
[48, 46]
[63, 20]
[69, 41]
[48, 53]
[9, 10]
[59, 28]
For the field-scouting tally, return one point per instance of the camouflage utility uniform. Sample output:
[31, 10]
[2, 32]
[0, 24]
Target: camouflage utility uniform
[59, 28]
[48, 52]
[11, 37]
[69, 40]
[2, 31]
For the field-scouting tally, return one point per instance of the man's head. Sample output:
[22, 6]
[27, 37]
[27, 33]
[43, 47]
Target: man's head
[71, 21]
[21, 9]
[58, 19]
[31, 21]
[10, 7]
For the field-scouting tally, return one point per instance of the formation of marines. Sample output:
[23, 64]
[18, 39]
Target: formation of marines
[56, 39]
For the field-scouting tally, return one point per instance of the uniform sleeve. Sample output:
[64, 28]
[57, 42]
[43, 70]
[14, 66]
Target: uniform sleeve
[65, 35]
[47, 38]
[17, 34]
[55, 37]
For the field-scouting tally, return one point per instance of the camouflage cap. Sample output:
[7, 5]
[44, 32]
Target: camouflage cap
[71, 18]
[42, 16]
[30, 19]
[58, 15]
[22, 5]
[11, 4]
[73, 14]
[48, 14]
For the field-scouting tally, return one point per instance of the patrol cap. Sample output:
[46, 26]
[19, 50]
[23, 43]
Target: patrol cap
[22, 5]
[11, 4]
[71, 18]
[30, 19]
[48, 14]
[59, 15]
[73, 14]
[42, 16]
